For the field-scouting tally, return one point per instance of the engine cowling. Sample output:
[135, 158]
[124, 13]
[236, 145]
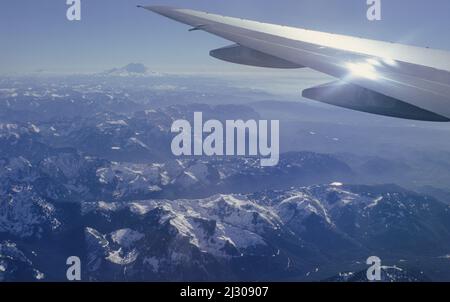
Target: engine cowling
[246, 56]
[354, 97]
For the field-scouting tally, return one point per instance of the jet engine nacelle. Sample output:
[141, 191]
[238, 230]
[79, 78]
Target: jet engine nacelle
[246, 56]
[354, 97]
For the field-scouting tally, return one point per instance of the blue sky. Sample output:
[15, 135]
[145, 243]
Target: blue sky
[35, 34]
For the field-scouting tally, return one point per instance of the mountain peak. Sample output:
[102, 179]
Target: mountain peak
[136, 68]
[130, 70]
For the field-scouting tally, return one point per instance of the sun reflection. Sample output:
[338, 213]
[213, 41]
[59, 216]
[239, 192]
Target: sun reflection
[363, 70]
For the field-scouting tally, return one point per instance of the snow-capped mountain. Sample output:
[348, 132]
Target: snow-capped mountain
[270, 235]
[131, 70]
[86, 169]
[224, 236]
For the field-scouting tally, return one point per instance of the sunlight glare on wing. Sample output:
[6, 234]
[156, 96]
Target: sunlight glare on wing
[363, 70]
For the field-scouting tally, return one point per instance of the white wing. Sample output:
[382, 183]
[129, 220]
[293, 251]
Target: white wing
[372, 76]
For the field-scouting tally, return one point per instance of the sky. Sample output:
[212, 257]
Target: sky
[36, 35]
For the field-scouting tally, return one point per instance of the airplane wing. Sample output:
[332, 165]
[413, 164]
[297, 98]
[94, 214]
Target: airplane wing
[371, 76]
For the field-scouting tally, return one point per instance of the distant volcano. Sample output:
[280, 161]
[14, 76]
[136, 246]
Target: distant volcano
[130, 70]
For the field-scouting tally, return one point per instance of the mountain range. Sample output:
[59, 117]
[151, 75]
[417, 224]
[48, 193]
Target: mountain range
[86, 170]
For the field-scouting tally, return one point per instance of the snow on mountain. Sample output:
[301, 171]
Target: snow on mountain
[24, 214]
[316, 221]
[125, 179]
[131, 70]
[15, 131]
[209, 224]
[126, 237]
[13, 261]
[249, 236]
